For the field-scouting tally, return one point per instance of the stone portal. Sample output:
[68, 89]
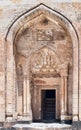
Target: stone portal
[43, 64]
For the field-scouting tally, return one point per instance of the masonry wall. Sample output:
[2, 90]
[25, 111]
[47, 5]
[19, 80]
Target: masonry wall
[2, 79]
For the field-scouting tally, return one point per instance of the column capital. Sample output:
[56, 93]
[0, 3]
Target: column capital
[64, 72]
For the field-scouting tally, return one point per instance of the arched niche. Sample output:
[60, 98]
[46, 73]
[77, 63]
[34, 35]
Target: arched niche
[41, 28]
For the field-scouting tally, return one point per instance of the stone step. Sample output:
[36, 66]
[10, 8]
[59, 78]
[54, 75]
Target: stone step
[42, 126]
[40, 129]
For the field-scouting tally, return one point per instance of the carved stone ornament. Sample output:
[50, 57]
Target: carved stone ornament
[45, 62]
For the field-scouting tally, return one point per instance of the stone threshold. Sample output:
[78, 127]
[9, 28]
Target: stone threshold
[42, 126]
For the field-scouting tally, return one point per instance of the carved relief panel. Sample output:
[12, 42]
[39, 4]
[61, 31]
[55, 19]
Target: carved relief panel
[45, 61]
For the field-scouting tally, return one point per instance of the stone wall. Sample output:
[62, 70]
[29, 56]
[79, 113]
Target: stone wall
[2, 79]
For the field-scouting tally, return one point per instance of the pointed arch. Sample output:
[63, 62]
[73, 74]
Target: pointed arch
[26, 17]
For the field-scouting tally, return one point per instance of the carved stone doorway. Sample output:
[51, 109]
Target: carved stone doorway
[43, 60]
[48, 105]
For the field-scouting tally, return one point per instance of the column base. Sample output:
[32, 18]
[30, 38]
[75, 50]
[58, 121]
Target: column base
[24, 119]
[6, 124]
[9, 124]
[9, 117]
[1, 124]
[76, 125]
[24, 122]
[66, 119]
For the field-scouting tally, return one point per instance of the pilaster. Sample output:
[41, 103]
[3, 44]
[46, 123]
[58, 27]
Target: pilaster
[64, 113]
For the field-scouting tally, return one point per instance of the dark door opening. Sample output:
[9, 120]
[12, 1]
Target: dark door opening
[48, 105]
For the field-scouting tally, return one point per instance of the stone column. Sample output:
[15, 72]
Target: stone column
[27, 113]
[64, 95]
[65, 81]
[15, 93]
[24, 95]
